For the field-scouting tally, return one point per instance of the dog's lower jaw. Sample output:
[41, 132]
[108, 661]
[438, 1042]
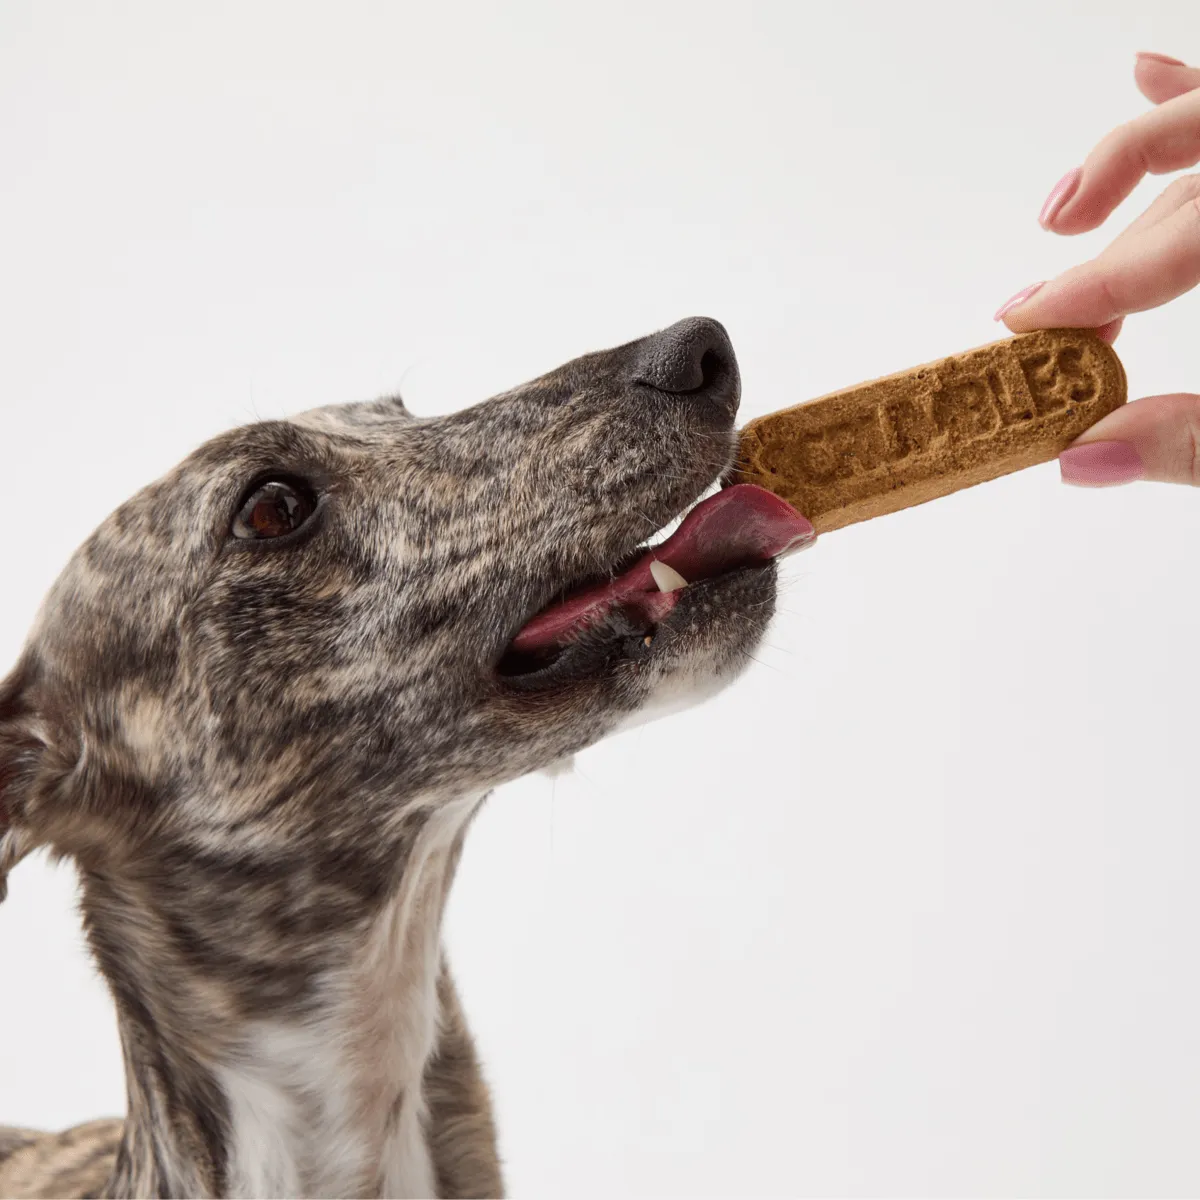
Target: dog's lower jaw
[373, 1092]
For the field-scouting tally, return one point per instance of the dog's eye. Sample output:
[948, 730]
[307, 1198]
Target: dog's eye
[274, 510]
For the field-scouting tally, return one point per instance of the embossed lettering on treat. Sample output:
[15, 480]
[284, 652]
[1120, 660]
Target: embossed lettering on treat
[846, 449]
[913, 426]
[966, 409]
[1057, 379]
[909, 438]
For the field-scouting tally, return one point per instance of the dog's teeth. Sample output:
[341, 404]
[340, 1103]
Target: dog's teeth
[667, 578]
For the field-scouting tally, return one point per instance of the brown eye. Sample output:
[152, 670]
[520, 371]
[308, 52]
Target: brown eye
[274, 510]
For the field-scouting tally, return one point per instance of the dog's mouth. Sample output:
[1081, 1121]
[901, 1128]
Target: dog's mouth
[741, 527]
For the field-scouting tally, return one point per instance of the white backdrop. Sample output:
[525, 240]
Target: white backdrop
[910, 909]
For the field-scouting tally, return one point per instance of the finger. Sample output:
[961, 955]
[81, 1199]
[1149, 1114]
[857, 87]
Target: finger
[1177, 193]
[1165, 139]
[1162, 262]
[1155, 438]
[1162, 78]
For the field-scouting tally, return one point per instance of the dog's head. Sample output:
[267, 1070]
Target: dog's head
[313, 631]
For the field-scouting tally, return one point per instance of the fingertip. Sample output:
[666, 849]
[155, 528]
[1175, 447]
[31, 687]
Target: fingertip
[1085, 215]
[1004, 312]
[1060, 196]
[1101, 464]
[1076, 204]
[1160, 78]
[1108, 333]
[1151, 438]
[1087, 201]
[1016, 322]
[1153, 57]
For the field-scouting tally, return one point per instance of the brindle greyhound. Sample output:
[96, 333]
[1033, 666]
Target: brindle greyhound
[263, 702]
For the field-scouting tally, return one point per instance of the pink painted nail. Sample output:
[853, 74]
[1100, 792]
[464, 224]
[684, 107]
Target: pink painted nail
[1101, 464]
[1062, 191]
[1019, 298]
[1165, 59]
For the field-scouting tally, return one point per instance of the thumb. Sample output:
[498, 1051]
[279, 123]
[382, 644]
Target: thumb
[1157, 438]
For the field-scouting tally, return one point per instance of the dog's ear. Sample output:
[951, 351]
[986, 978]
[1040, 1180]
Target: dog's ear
[21, 750]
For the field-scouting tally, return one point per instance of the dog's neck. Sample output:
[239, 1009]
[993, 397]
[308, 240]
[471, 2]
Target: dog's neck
[321, 1100]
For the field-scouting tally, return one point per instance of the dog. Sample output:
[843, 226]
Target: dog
[263, 702]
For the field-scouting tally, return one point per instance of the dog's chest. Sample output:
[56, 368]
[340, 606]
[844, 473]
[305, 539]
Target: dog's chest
[333, 1105]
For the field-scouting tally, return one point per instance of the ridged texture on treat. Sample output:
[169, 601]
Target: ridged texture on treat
[912, 437]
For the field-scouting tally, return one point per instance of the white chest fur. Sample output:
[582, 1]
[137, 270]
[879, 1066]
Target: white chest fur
[333, 1106]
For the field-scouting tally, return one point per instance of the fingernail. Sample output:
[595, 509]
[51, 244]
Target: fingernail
[1101, 464]
[1062, 191]
[1019, 298]
[1165, 59]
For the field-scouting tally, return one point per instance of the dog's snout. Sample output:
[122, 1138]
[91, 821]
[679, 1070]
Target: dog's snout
[689, 356]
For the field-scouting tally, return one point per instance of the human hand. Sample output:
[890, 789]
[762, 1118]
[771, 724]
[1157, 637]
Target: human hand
[1155, 260]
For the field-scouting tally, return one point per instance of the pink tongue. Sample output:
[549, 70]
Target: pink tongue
[737, 527]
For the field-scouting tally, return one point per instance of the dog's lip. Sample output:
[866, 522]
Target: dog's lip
[740, 526]
[623, 636]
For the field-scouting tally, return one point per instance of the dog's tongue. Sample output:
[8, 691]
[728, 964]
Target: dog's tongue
[738, 527]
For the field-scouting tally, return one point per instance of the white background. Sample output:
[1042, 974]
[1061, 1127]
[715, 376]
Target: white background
[910, 909]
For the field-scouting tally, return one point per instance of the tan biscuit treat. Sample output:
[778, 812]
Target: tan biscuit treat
[912, 437]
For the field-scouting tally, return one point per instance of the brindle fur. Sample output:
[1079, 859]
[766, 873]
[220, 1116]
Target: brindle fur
[263, 759]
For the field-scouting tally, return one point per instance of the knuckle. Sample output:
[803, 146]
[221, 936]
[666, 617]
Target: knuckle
[1126, 150]
[1191, 437]
[1107, 293]
[1184, 189]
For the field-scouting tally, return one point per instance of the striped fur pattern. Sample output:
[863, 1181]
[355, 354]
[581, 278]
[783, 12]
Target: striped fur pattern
[263, 758]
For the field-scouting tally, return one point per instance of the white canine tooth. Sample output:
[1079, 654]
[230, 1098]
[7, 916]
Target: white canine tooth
[667, 578]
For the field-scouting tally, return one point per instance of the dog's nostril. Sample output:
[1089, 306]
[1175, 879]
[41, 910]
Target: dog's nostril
[690, 356]
[711, 367]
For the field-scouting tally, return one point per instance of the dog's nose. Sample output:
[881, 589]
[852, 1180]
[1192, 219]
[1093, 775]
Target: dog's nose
[689, 356]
